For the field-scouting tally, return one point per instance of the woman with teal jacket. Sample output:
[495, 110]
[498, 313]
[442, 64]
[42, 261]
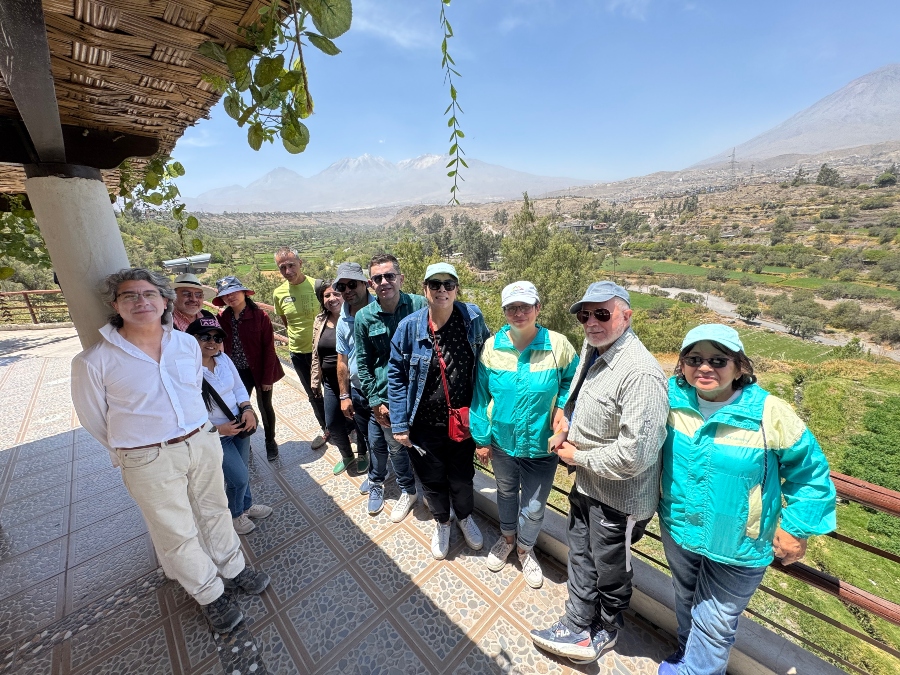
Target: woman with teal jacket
[521, 386]
[734, 453]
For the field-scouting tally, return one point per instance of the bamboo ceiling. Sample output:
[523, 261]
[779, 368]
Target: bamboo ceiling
[132, 66]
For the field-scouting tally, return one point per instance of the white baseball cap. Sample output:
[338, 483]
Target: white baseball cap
[519, 291]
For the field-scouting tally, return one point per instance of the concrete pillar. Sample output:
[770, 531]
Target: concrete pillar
[72, 208]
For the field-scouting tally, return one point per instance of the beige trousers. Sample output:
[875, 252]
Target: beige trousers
[180, 491]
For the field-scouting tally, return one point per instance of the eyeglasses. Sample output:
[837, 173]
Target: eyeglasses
[206, 337]
[602, 315]
[448, 284]
[342, 286]
[713, 361]
[388, 277]
[131, 297]
[191, 294]
[512, 310]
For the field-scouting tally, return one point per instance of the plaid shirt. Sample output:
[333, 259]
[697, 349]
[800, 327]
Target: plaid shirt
[618, 410]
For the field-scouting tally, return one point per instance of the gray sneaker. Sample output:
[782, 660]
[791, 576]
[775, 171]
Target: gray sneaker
[223, 614]
[249, 580]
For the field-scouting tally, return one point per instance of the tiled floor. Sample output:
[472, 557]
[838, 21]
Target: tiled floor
[80, 591]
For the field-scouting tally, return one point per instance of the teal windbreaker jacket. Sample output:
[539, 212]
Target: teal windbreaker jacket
[517, 394]
[724, 479]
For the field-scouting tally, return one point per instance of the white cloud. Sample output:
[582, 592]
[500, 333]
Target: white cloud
[632, 9]
[395, 22]
[510, 23]
[197, 138]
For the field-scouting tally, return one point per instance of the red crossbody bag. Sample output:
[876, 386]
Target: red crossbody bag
[458, 422]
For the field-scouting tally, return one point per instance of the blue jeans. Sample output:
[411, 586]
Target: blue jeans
[519, 480]
[236, 467]
[709, 599]
[381, 446]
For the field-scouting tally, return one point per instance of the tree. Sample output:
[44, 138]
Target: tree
[713, 234]
[478, 246]
[888, 178]
[748, 312]
[828, 176]
[799, 177]
[717, 275]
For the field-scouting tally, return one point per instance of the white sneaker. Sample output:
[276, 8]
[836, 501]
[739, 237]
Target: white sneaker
[259, 511]
[471, 533]
[531, 569]
[440, 540]
[403, 506]
[242, 524]
[500, 551]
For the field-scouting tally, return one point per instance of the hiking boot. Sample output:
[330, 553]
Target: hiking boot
[403, 506]
[243, 525]
[249, 581]
[602, 639]
[342, 466]
[258, 511]
[471, 533]
[271, 449]
[559, 640]
[362, 464]
[531, 569]
[376, 499]
[440, 540]
[223, 614]
[500, 551]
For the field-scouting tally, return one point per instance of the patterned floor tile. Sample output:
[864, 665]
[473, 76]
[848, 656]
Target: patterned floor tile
[328, 616]
[92, 464]
[28, 569]
[34, 506]
[106, 534]
[102, 505]
[475, 562]
[38, 482]
[284, 524]
[88, 644]
[330, 496]
[422, 519]
[29, 611]
[541, 607]
[442, 610]
[395, 561]
[266, 491]
[48, 447]
[198, 638]
[96, 482]
[505, 650]
[354, 528]
[148, 655]
[37, 664]
[274, 653]
[299, 565]
[104, 573]
[381, 652]
[39, 462]
[33, 533]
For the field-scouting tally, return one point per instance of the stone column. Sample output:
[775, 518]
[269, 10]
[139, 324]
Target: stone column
[72, 208]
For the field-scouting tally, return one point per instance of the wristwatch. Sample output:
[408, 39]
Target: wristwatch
[344, 397]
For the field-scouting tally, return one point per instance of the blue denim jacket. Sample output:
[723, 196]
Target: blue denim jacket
[411, 352]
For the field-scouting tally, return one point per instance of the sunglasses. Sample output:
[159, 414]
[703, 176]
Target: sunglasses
[435, 284]
[713, 361]
[388, 277]
[206, 337]
[512, 310]
[602, 315]
[342, 286]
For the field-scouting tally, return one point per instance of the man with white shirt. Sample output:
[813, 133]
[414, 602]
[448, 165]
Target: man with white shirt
[138, 392]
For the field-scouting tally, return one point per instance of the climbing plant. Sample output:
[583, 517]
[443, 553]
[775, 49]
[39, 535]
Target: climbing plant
[454, 109]
[20, 238]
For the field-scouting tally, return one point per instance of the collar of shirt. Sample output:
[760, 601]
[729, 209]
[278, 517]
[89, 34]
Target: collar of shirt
[612, 355]
[112, 335]
[345, 309]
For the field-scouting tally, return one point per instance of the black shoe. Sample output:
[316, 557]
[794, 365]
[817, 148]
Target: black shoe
[271, 449]
[250, 581]
[223, 614]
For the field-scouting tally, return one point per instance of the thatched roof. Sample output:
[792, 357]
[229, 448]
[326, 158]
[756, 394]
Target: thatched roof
[132, 66]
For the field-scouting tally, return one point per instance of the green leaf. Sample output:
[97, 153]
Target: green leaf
[452, 92]
[290, 80]
[154, 198]
[192, 223]
[331, 17]
[451, 173]
[460, 133]
[178, 211]
[151, 180]
[247, 113]
[255, 136]
[213, 50]
[238, 59]
[451, 121]
[294, 133]
[6, 272]
[232, 105]
[177, 168]
[452, 149]
[463, 162]
[243, 80]
[268, 69]
[291, 148]
[197, 245]
[323, 44]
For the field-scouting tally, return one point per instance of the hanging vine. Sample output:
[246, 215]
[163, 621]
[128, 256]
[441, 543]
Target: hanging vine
[454, 109]
[20, 238]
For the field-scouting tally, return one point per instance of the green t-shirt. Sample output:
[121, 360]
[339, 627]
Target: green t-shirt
[299, 305]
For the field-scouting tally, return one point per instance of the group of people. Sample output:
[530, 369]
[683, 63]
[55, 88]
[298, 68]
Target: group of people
[420, 383]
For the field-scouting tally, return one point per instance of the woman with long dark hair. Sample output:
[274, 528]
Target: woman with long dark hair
[250, 343]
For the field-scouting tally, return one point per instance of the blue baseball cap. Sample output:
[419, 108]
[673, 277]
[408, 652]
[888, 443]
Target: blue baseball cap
[714, 332]
[601, 291]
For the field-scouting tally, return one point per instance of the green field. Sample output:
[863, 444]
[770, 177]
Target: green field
[782, 347]
[662, 268]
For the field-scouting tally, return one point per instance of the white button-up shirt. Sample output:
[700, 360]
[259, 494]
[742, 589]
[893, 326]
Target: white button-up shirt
[226, 380]
[125, 399]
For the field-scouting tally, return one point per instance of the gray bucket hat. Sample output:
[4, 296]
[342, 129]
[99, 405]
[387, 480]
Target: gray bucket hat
[227, 285]
[350, 270]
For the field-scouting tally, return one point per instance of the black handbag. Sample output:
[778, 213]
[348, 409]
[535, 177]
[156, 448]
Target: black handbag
[209, 389]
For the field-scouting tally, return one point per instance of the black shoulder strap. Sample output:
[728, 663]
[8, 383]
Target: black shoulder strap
[318, 284]
[208, 388]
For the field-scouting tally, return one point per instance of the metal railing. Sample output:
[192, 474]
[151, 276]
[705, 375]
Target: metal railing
[22, 307]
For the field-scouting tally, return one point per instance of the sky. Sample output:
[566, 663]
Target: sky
[589, 89]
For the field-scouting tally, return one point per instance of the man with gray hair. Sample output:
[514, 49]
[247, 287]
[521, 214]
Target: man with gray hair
[616, 424]
[138, 392]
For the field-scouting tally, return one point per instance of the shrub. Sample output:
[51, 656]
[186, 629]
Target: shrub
[828, 176]
[690, 298]
[879, 202]
[830, 213]
[717, 275]
[886, 180]
[657, 292]
[748, 311]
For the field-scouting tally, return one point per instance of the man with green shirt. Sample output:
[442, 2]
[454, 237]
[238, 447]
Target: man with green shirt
[373, 329]
[296, 305]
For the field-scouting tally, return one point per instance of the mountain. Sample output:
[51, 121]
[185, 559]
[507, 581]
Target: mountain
[367, 181]
[864, 112]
